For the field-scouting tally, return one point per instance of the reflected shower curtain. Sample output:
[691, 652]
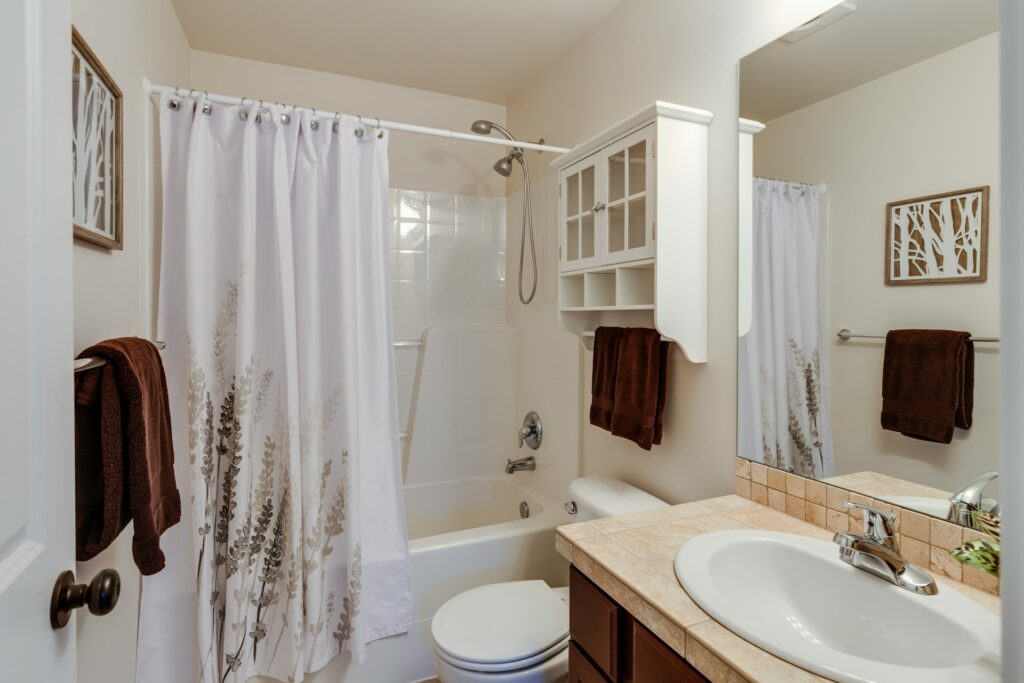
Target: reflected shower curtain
[783, 411]
[275, 305]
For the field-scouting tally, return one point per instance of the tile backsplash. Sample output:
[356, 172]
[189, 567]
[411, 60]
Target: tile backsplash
[924, 541]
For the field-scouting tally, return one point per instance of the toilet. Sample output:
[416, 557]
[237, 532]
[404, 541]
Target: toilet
[518, 631]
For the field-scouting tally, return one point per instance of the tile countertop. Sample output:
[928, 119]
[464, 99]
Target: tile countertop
[630, 557]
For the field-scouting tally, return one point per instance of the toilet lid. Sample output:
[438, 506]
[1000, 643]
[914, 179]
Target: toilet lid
[503, 623]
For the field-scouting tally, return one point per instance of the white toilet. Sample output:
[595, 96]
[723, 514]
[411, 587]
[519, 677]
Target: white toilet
[518, 631]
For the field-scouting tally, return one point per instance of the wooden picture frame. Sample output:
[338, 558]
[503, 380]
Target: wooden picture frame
[921, 235]
[97, 154]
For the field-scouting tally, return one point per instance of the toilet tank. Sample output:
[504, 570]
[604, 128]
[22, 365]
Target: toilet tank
[596, 497]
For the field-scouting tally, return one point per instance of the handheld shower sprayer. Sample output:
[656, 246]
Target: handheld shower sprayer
[503, 167]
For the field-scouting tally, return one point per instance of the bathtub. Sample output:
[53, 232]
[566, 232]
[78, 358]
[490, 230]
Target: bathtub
[462, 534]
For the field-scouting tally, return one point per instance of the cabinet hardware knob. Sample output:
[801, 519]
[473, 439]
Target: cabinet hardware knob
[100, 595]
[599, 207]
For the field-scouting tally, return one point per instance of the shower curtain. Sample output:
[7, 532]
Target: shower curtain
[275, 305]
[783, 403]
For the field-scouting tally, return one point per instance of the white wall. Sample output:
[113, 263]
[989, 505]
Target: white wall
[114, 289]
[899, 137]
[418, 162]
[547, 359]
[683, 51]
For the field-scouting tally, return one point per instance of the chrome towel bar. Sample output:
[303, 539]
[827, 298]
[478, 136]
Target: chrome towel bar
[847, 335]
[89, 363]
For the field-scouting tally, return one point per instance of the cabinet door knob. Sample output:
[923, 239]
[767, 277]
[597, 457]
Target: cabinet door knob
[100, 595]
[599, 207]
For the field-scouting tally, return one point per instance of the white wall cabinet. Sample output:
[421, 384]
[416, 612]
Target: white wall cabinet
[633, 227]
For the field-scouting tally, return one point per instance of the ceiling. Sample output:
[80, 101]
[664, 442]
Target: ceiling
[878, 38]
[481, 49]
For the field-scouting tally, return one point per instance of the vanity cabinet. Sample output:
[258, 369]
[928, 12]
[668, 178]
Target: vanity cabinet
[633, 228]
[609, 646]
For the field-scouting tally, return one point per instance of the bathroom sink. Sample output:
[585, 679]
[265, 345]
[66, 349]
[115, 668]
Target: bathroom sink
[936, 507]
[793, 597]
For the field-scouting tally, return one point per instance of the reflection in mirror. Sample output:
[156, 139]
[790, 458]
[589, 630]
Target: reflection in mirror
[869, 201]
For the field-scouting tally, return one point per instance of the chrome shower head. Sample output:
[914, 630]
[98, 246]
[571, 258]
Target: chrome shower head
[484, 127]
[481, 127]
[503, 166]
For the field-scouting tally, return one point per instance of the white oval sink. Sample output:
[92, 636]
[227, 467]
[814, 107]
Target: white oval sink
[795, 598]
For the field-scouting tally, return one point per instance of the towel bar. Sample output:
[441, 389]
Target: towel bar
[847, 335]
[590, 333]
[83, 364]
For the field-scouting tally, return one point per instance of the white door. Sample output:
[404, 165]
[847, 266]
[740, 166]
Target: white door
[37, 513]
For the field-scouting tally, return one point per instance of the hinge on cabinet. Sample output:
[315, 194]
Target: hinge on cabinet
[559, 252]
[559, 190]
[654, 231]
[654, 149]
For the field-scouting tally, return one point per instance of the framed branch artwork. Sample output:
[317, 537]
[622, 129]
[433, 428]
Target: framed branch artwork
[95, 149]
[941, 238]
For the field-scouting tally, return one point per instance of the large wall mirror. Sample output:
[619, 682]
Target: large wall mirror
[869, 206]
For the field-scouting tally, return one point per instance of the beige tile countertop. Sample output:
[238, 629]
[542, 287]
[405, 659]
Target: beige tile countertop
[630, 557]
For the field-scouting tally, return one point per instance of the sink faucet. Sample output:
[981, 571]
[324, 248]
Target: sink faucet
[528, 463]
[878, 553]
[969, 500]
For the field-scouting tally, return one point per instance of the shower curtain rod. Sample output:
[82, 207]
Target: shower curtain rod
[151, 89]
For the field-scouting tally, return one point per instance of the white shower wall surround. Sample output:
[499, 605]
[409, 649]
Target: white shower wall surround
[463, 411]
[447, 268]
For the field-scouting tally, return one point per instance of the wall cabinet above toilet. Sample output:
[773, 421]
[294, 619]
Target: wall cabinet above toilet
[633, 227]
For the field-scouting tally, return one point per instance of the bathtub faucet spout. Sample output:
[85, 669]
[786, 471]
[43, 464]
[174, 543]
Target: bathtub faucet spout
[528, 463]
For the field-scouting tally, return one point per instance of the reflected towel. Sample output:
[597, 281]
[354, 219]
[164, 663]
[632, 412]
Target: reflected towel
[928, 383]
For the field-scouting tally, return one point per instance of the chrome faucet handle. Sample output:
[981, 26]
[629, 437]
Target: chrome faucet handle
[878, 524]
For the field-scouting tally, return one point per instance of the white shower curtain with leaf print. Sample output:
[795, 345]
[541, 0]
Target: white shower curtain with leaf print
[783, 403]
[275, 305]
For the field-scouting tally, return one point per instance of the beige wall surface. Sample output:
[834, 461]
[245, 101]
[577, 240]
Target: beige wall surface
[927, 129]
[417, 162]
[114, 289]
[682, 51]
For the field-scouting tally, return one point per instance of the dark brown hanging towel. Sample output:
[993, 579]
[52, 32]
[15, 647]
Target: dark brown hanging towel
[124, 458]
[602, 390]
[928, 383]
[641, 379]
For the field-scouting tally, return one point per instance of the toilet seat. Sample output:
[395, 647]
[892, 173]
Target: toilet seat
[502, 627]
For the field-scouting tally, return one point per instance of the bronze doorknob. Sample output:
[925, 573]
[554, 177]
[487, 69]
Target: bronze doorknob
[100, 595]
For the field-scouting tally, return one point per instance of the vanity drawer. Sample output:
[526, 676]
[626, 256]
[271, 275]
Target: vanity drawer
[655, 662]
[580, 668]
[594, 623]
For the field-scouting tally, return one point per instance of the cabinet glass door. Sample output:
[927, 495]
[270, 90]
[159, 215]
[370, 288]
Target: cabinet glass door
[629, 173]
[580, 216]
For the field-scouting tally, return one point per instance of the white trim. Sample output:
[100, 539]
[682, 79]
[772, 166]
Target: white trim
[184, 93]
[630, 124]
[1011, 357]
[751, 126]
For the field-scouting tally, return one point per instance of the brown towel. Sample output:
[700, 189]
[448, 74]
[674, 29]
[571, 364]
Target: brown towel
[641, 379]
[928, 383]
[602, 390]
[124, 459]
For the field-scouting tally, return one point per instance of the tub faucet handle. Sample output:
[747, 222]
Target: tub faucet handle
[531, 433]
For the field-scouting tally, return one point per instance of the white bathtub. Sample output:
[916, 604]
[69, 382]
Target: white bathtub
[462, 533]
